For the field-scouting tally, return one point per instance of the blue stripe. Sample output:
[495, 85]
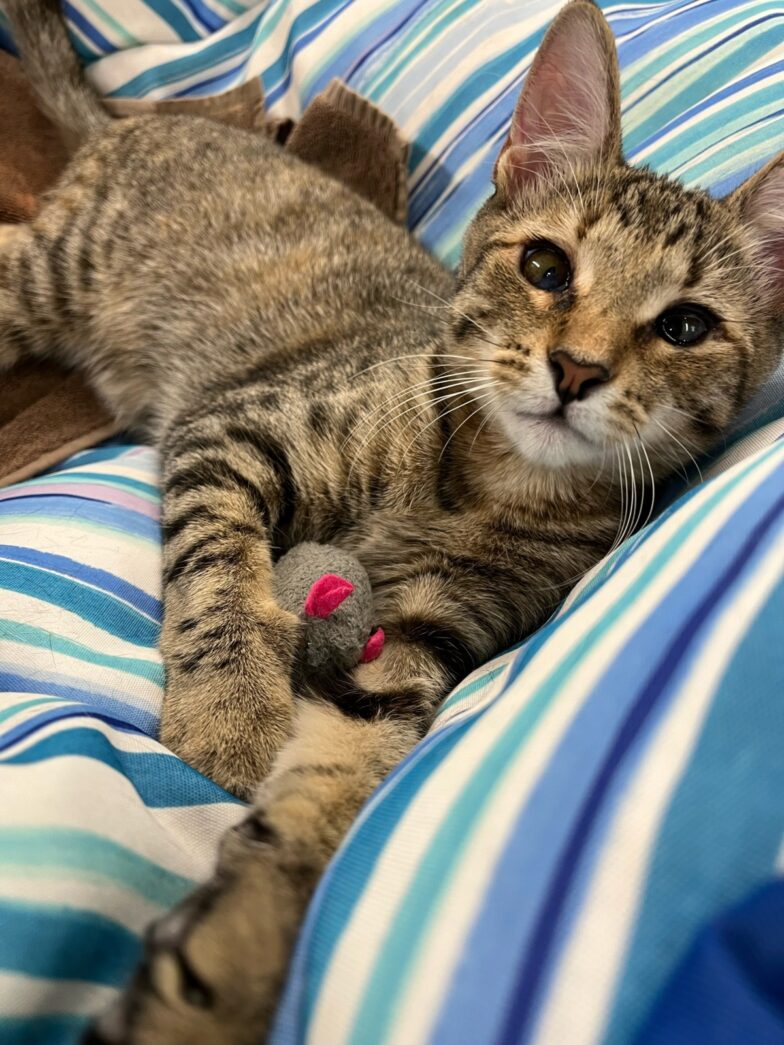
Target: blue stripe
[107, 582]
[99, 608]
[112, 712]
[180, 23]
[90, 31]
[32, 941]
[536, 954]
[168, 72]
[704, 862]
[162, 781]
[277, 78]
[78, 509]
[208, 18]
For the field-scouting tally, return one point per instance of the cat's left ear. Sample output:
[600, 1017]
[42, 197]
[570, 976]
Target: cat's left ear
[760, 206]
[569, 111]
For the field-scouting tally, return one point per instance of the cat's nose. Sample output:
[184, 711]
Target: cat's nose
[575, 380]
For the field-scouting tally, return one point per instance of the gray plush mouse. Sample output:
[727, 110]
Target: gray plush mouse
[329, 591]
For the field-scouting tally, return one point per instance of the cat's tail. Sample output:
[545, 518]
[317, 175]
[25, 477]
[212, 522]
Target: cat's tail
[54, 69]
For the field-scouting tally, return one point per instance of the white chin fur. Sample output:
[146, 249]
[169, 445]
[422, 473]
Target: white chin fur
[548, 441]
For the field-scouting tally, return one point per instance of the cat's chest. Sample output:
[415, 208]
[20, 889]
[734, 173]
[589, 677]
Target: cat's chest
[389, 541]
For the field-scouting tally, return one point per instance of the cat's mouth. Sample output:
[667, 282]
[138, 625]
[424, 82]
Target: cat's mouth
[554, 423]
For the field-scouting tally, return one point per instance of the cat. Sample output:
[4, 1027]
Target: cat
[309, 372]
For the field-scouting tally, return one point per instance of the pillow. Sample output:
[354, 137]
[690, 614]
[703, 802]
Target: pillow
[101, 828]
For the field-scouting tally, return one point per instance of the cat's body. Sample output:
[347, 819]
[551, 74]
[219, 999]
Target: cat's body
[301, 364]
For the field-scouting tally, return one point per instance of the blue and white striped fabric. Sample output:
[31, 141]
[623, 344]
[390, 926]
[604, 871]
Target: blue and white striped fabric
[101, 829]
[585, 803]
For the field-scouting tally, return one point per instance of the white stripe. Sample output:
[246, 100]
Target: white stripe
[364, 935]
[59, 887]
[62, 621]
[30, 996]
[84, 794]
[577, 1008]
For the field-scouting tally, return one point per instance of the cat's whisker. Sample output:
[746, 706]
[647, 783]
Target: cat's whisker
[457, 311]
[420, 356]
[643, 486]
[622, 507]
[653, 478]
[686, 450]
[445, 413]
[492, 413]
[395, 411]
[454, 433]
[455, 377]
[416, 410]
[600, 470]
[633, 493]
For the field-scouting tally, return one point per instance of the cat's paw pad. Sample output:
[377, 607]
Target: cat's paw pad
[326, 594]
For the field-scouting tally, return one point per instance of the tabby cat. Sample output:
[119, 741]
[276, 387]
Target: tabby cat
[309, 372]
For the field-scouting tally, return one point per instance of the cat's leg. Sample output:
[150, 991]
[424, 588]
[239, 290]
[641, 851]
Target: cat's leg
[214, 967]
[227, 646]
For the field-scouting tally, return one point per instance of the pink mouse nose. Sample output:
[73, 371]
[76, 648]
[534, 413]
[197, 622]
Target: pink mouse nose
[575, 380]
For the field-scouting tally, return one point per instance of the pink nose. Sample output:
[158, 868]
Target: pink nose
[575, 380]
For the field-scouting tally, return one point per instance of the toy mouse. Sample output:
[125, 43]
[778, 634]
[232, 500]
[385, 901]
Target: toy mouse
[329, 591]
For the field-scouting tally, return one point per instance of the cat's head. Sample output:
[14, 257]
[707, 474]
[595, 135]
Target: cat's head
[602, 306]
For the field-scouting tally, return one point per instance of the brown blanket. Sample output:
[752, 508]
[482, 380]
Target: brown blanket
[47, 413]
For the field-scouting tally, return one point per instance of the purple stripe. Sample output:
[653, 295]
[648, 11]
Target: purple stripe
[88, 492]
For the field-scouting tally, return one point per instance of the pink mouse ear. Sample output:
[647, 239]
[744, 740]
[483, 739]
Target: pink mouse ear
[373, 646]
[326, 594]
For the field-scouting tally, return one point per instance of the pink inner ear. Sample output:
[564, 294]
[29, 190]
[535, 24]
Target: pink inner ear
[563, 115]
[326, 594]
[373, 646]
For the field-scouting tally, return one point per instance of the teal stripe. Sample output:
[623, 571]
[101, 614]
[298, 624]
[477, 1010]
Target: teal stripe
[703, 864]
[14, 709]
[436, 866]
[188, 66]
[682, 46]
[59, 1029]
[64, 943]
[48, 848]
[169, 12]
[15, 631]
[757, 143]
[161, 780]
[723, 123]
[97, 607]
[125, 38]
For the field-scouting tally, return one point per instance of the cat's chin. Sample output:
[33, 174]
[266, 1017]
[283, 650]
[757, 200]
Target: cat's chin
[549, 440]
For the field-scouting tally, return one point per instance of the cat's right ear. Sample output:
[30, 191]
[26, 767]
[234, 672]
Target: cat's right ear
[569, 111]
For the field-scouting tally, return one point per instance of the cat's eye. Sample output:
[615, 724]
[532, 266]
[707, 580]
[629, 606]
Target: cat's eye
[545, 266]
[685, 325]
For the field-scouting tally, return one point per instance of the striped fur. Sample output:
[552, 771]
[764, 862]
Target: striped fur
[309, 372]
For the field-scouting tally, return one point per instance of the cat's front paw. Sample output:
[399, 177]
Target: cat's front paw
[214, 966]
[228, 707]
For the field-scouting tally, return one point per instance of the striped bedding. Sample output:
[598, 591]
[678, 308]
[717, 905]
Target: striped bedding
[534, 871]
